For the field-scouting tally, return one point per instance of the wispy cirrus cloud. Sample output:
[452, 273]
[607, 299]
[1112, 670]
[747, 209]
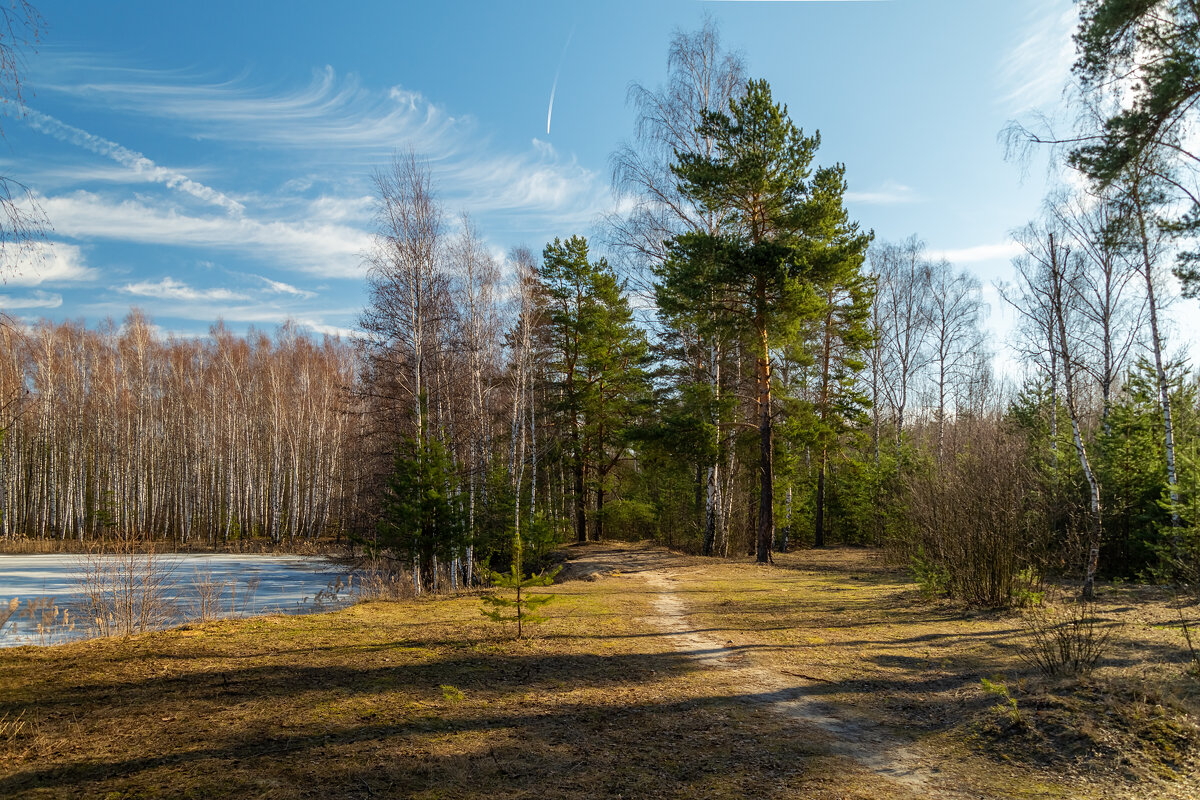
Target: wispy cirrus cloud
[313, 246]
[332, 113]
[336, 121]
[170, 289]
[257, 312]
[888, 194]
[279, 287]
[47, 262]
[537, 181]
[1037, 68]
[37, 299]
[303, 210]
[978, 253]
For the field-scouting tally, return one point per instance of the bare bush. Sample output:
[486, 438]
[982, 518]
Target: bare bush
[1064, 639]
[125, 588]
[208, 592]
[974, 516]
[7, 612]
[250, 594]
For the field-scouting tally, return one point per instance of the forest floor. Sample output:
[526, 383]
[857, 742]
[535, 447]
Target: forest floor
[656, 675]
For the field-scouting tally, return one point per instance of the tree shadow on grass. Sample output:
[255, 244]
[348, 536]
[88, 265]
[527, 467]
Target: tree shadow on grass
[528, 725]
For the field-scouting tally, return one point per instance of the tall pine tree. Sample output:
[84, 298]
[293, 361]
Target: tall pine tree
[784, 231]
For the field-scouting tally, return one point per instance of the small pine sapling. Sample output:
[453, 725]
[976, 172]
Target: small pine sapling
[523, 608]
[1009, 703]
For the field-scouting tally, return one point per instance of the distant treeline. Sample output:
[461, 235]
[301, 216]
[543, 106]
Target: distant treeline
[199, 441]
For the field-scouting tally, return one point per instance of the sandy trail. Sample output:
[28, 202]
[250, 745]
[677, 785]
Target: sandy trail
[876, 749]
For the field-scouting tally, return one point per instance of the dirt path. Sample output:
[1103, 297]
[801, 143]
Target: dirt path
[880, 751]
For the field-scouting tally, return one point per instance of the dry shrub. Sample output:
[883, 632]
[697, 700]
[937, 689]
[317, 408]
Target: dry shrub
[974, 517]
[1065, 638]
[381, 579]
[11, 726]
[7, 611]
[125, 586]
[249, 595]
[208, 593]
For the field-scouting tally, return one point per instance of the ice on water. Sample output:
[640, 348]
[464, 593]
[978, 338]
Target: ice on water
[249, 584]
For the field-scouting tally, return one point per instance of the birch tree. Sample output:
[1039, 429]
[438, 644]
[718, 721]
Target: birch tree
[953, 313]
[902, 319]
[406, 286]
[1049, 273]
[702, 78]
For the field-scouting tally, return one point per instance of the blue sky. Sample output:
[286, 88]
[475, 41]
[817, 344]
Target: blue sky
[213, 159]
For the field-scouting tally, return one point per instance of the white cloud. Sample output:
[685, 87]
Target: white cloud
[47, 262]
[135, 161]
[355, 209]
[262, 313]
[329, 330]
[318, 222]
[335, 119]
[528, 184]
[889, 193]
[1038, 67]
[326, 249]
[278, 287]
[331, 114]
[37, 299]
[974, 255]
[170, 289]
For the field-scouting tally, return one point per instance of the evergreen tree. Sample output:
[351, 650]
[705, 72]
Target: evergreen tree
[567, 276]
[597, 366]
[1139, 62]
[522, 608]
[843, 340]
[1140, 537]
[421, 516]
[783, 229]
[614, 364]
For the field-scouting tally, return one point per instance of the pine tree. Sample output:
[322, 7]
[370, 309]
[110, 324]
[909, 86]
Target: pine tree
[784, 230]
[598, 366]
[421, 517]
[522, 608]
[843, 339]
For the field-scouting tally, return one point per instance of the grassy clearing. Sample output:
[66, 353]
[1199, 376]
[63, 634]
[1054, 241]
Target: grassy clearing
[413, 699]
[864, 637]
[426, 699]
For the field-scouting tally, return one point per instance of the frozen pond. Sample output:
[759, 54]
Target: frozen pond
[50, 605]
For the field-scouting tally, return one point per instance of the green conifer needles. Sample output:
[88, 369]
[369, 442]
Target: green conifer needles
[521, 609]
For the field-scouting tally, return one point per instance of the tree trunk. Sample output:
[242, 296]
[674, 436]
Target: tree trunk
[1057, 303]
[819, 513]
[766, 488]
[580, 499]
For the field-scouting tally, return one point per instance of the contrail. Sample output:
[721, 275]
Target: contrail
[554, 86]
[135, 161]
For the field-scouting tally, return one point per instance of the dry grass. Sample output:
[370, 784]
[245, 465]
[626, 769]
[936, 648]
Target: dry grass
[356, 704]
[20, 545]
[863, 637]
[426, 699]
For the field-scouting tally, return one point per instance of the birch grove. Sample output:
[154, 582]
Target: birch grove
[197, 441]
